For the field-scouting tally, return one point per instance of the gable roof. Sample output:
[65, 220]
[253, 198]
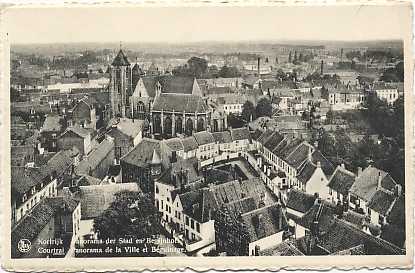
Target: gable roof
[264, 222]
[77, 130]
[382, 202]
[51, 123]
[95, 157]
[129, 127]
[142, 153]
[177, 85]
[240, 134]
[222, 137]
[300, 201]
[341, 181]
[175, 144]
[203, 138]
[180, 103]
[23, 179]
[189, 144]
[365, 185]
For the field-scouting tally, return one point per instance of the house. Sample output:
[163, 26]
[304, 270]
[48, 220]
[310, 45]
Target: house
[346, 98]
[373, 193]
[314, 173]
[54, 218]
[190, 147]
[52, 127]
[137, 164]
[298, 204]
[241, 139]
[339, 185]
[206, 145]
[127, 133]
[98, 161]
[78, 137]
[243, 231]
[385, 91]
[231, 103]
[223, 141]
[84, 113]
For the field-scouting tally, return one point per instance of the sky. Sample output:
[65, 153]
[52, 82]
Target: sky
[198, 24]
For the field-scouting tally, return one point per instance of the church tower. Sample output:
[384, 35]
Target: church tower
[120, 85]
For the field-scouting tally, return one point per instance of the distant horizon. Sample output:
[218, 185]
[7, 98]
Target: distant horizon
[192, 25]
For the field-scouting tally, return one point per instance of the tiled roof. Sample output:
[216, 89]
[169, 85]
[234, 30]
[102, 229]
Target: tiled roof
[356, 250]
[299, 155]
[178, 85]
[95, 157]
[23, 179]
[82, 132]
[272, 141]
[120, 59]
[189, 144]
[397, 213]
[185, 170]
[174, 144]
[203, 138]
[33, 223]
[300, 201]
[366, 183]
[58, 163]
[381, 202]
[240, 134]
[95, 199]
[51, 123]
[241, 206]
[354, 218]
[129, 127]
[322, 212]
[264, 222]
[142, 154]
[222, 137]
[341, 180]
[284, 249]
[180, 103]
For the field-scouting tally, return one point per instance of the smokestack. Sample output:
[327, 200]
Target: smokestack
[359, 171]
[259, 63]
[379, 181]
[321, 67]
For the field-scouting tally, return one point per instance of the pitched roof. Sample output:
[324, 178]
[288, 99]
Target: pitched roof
[189, 144]
[34, 222]
[180, 103]
[240, 134]
[381, 202]
[95, 199]
[203, 138]
[342, 180]
[174, 143]
[23, 179]
[95, 157]
[308, 168]
[120, 59]
[79, 131]
[177, 85]
[142, 154]
[300, 201]
[58, 163]
[222, 137]
[284, 249]
[51, 123]
[365, 185]
[264, 222]
[129, 127]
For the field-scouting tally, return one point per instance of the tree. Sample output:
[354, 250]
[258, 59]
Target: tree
[295, 57]
[229, 72]
[248, 111]
[131, 214]
[197, 66]
[329, 117]
[395, 74]
[264, 108]
[290, 57]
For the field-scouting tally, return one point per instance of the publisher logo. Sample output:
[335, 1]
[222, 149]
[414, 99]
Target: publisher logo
[24, 245]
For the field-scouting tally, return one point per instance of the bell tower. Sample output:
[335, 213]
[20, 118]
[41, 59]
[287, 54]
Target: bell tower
[120, 85]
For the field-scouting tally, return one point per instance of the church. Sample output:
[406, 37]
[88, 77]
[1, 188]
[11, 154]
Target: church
[171, 105]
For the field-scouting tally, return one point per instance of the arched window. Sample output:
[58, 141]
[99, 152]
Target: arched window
[189, 126]
[200, 124]
[168, 126]
[179, 125]
[157, 125]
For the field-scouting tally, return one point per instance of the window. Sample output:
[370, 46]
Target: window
[197, 227]
[192, 223]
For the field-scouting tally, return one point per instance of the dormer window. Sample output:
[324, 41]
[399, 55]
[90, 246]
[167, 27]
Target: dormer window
[33, 190]
[24, 197]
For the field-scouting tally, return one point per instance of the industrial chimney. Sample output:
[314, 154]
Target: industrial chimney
[258, 66]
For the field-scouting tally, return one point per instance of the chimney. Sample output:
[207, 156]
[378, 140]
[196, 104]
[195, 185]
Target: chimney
[318, 164]
[269, 171]
[342, 165]
[259, 63]
[359, 171]
[310, 153]
[321, 67]
[379, 181]
[398, 190]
